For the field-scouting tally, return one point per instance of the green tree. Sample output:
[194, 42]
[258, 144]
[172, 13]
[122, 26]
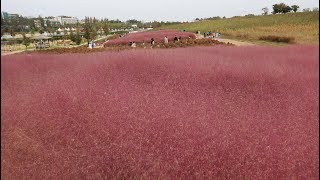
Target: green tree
[65, 34]
[41, 22]
[295, 8]
[156, 24]
[276, 9]
[105, 27]
[2, 25]
[19, 41]
[90, 29]
[281, 8]
[93, 33]
[77, 38]
[2, 21]
[72, 36]
[14, 24]
[12, 32]
[26, 41]
[48, 23]
[94, 21]
[286, 9]
[87, 28]
[32, 25]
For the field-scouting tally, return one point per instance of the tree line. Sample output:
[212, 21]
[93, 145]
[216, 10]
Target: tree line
[282, 8]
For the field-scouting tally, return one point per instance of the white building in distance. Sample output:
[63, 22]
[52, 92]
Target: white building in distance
[66, 20]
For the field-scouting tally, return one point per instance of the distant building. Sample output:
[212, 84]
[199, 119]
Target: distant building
[4, 15]
[58, 19]
[71, 20]
[7, 16]
[53, 21]
[13, 15]
[61, 20]
[66, 20]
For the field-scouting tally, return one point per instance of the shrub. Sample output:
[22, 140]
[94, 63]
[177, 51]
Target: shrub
[249, 15]
[277, 39]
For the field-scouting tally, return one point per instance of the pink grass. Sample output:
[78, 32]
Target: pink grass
[145, 37]
[189, 113]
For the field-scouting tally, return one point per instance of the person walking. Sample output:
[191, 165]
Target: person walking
[175, 39]
[133, 44]
[152, 43]
[166, 41]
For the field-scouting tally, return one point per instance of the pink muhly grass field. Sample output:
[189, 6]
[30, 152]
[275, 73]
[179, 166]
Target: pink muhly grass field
[185, 113]
[145, 37]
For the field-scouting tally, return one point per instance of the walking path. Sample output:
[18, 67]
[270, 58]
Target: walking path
[236, 42]
[10, 52]
[232, 41]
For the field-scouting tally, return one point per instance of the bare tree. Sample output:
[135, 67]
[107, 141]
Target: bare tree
[265, 11]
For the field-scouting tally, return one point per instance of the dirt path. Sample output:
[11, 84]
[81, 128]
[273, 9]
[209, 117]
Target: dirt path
[10, 52]
[235, 42]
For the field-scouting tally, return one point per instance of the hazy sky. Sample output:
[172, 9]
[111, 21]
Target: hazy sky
[147, 10]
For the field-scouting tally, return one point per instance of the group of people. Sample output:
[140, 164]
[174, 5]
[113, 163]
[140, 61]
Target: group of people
[166, 40]
[152, 41]
[212, 35]
[175, 39]
[134, 44]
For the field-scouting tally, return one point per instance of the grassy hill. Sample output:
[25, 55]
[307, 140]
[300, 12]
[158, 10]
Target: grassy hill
[303, 26]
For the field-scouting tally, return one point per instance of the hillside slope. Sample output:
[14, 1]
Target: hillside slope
[303, 26]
